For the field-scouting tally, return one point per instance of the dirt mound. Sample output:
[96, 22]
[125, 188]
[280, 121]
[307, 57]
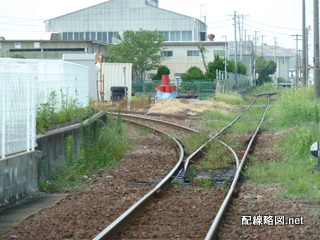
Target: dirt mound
[177, 105]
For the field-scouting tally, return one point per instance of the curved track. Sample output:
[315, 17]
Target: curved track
[216, 213]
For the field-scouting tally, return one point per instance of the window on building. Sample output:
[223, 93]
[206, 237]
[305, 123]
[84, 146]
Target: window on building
[87, 36]
[92, 36]
[175, 36]
[0, 45]
[76, 36]
[112, 37]
[70, 36]
[36, 45]
[99, 36]
[64, 36]
[167, 53]
[186, 35]
[165, 34]
[193, 53]
[203, 36]
[17, 44]
[105, 36]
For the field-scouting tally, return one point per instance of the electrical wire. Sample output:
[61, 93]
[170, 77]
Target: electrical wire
[22, 18]
[271, 26]
[264, 30]
[21, 25]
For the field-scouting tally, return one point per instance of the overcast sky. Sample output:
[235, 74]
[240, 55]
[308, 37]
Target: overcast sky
[272, 19]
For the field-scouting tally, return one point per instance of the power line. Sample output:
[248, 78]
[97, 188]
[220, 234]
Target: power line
[22, 18]
[229, 25]
[220, 21]
[21, 25]
[264, 30]
[272, 26]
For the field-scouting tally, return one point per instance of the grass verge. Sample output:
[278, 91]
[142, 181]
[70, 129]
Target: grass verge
[297, 115]
[105, 150]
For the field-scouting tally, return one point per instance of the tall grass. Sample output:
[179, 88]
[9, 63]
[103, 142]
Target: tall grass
[218, 118]
[96, 152]
[297, 114]
[217, 157]
[232, 98]
[295, 170]
[193, 141]
[295, 107]
[49, 115]
[266, 88]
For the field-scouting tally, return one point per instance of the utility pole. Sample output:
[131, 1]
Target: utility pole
[262, 36]
[241, 31]
[225, 56]
[236, 48]
[297, 59]
[275, 49]
[275, 58]
[245, 35]
[240, 37]
[316, 49]
[307, 53]
[304, 45]
[255, 42]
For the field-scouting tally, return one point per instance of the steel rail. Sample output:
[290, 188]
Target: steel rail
[119, 224]
[217, 220]
[152, 119]
[189, 129]
[187, 162]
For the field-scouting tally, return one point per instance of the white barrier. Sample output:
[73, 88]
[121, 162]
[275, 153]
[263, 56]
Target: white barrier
[24, 85]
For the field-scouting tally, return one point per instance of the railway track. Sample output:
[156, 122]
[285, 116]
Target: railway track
[176, 209]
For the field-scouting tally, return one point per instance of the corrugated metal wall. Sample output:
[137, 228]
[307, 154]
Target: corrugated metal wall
[115, 76]
[120, 15]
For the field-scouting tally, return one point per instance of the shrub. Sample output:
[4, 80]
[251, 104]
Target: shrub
[193, 73]
[71, 110]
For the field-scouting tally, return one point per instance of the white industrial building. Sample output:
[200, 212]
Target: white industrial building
[103, 21]
[180, 56]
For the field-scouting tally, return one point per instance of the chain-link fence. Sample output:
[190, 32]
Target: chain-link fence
[198, 87]
[186, 87]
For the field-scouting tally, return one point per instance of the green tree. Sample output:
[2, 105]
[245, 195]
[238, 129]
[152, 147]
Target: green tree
[142, 49]
[193, 73]
[265, 68]
[230, 66]
[217, 64]
[203, 52]
[242, 69]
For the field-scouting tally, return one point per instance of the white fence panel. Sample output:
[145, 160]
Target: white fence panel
[24, 85]
[18, 110]
[68, 80]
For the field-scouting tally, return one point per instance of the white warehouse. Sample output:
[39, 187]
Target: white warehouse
[103, 21]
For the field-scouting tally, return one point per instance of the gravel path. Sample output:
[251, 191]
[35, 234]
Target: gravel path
[93, 206]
